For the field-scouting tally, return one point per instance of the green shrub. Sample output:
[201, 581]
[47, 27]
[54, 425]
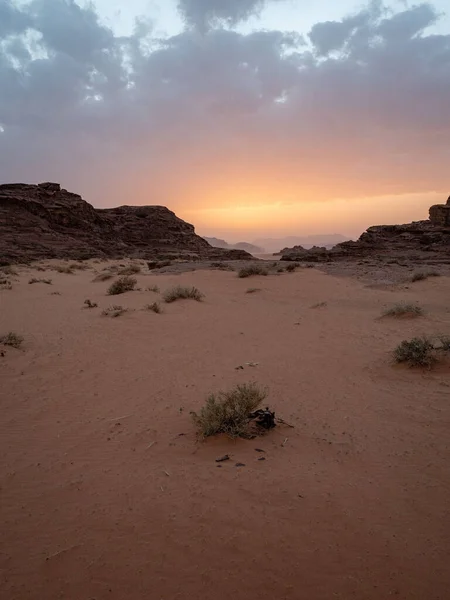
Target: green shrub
[418, 352]
[252, 270]
[11, 339]
[228, 412]
[404, 310]
[182, 293]
[122, 285]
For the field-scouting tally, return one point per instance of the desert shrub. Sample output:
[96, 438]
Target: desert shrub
[114, 311]
[64, 269]
[103, 277]
[252, 290]
[182, 293]
[8, 270]
[290, 268]
[404, 310]
[78, 266]
[418, 352]
[154, 307]
[319, 305]
[445, 342]
[5, 284]
[421, 275]
[280, 270]
[158, 264]
[11, 339]
[228, 412]
[89, 304]
[122, 285]
[35, 280]
[252, 270]
[130, 270]
[222, 266]
[153, 288]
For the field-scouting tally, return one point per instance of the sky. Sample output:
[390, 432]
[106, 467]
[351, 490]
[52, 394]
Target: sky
[248, 118]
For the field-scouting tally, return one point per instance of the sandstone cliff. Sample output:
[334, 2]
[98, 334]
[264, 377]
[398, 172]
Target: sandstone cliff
[423, 240]
[46, 221]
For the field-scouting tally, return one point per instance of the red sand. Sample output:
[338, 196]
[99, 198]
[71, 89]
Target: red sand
[105, 493]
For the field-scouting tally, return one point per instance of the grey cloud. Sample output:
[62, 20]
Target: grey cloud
[206, 12]
[357, 111]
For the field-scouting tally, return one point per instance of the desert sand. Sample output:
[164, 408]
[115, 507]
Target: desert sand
[106, 493]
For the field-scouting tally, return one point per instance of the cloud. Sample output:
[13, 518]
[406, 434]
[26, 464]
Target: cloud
[220, 118]
[206, 12]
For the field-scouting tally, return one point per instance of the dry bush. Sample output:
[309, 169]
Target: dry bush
[11, 339]
[319, 305]
[130, 270]
[445, 342]
[89, 304]
[5, 284]
[228, 412]
[280, 270]
[122, 285]
[418, 352]
[153, 288]
[78, 266]
[291, 267]
[8, 270]
[35, 280]
[222, 266]
[158, 264]
[154, 307]
[403, 309]
[252, 270]
[64, 269]
[182, 293]
[421, 275]
[103, 277]
[114, 311]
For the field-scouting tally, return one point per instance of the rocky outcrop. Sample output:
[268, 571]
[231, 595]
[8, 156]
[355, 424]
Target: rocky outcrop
[427, 241]
[440, 214]
[218, 243]
[46, 221]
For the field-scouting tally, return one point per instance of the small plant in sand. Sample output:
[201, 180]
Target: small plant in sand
[11, 339]
[122, 285]
[153, 288]
[280, 270]
[182, 293]
[319, 305]
[35, 280]
[158, 264]
[418, 352]
[291, 267]
[445, 342]
[64, 269]
[222, 266]
[89, 304]
[114, 311]
[252, 270]
[252, 290]
[103, 276]
[421, 275]
[154, 307]
[130, 269]
[404, 310]
[78, 266]
[229, 412]
[5, 284]
[8, 270]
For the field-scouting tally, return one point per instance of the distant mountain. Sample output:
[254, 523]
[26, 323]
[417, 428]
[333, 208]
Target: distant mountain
[328, 240]
[218, 243]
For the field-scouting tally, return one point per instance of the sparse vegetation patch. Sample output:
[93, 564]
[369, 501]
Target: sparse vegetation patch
[11, 339]
[252, 270]
[130, 270]
[404, 310]
[89, 304]
[418, 352]
[35, 280]
[122, 285]
[154, 307]
[229, 412]
[182, 293]
[114, 311]
[421, 275]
